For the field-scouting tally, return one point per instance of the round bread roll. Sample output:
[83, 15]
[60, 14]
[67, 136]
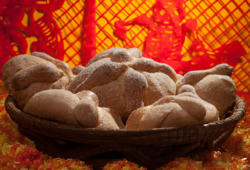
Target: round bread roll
[124, 81]
[169, 111]
[218, 90]
[184, 109]
[79, 109]
[16, 64]
[53, 104]
[25, 75]
[214, 85]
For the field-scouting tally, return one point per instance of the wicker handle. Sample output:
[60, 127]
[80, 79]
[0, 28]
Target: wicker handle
[221, 139]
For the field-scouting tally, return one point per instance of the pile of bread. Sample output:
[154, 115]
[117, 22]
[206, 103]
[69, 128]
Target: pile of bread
[118, 89]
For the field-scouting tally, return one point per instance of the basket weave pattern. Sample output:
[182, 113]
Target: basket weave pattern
[76, 142]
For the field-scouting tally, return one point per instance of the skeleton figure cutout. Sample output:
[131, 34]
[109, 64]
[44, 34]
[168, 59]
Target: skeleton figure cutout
[166, 34]
[45, 28]
[13, 30]
[168, 27]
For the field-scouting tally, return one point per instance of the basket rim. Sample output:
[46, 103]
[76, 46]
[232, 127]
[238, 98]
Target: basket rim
[12, 109]
[146, 146]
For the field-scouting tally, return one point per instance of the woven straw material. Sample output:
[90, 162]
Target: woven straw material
[149, 147]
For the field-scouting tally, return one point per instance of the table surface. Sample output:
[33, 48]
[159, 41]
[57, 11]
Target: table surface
[17, 151]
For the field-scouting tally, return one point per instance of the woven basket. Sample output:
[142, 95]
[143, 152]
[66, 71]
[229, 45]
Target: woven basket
[147, 147]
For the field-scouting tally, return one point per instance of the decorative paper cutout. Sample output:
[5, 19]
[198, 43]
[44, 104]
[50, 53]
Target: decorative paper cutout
[13, 32]
[168, 29]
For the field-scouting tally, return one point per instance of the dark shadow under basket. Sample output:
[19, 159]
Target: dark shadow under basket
[146, 147]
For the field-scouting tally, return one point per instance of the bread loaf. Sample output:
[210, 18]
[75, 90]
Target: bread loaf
[214, 85]
[53, 104]
[169, 111]
[77, 109]
[123, 80]
[218, 90]
[24, 75]
[184, 109]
